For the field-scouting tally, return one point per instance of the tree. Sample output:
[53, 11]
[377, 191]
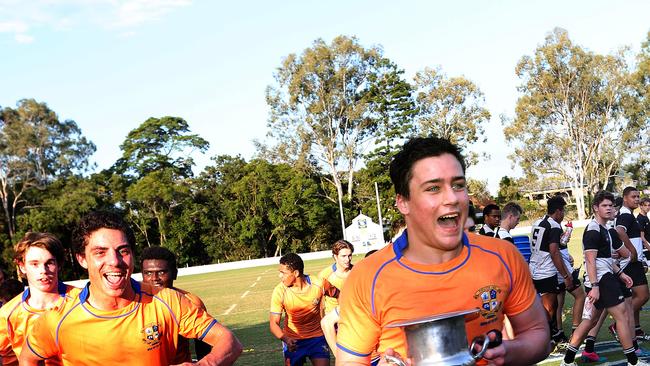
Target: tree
[160, 143]
[450, 108]
[36, 147]
[570, 119]
[322, 108]
[509, 189]
[479, 192]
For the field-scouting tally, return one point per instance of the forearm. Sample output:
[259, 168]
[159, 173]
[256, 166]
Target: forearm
[628, 244]
[224, 352]
[346, 359]
[276, 330]
[556, 257]
[531, 343]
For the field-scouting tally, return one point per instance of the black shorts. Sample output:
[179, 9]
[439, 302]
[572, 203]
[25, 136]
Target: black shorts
[576, 282]
[612, 291]
[637, 273]
[547, 285]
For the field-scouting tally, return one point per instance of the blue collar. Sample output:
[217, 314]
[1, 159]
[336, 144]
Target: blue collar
[402, 243]
[85, 293]
[61, 288]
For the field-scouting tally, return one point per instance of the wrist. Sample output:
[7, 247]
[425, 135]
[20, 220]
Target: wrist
[595, 284]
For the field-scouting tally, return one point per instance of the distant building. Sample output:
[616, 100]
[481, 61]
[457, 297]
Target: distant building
[541, 195]
[364, 234]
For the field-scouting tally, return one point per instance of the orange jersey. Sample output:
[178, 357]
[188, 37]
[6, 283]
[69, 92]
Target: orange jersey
[329, 274]
[183, 353]
[302, 309]
[386, 288]
[145, 332]
[16, 319]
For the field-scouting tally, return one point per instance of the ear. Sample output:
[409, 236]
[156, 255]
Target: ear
[402, 204]
[21, 267]
[81, 258]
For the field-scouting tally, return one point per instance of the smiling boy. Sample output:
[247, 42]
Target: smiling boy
[116, 320]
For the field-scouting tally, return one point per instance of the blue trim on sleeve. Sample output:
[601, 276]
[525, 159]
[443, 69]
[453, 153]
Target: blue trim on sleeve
[205, 333]
[502, 261]
[168, 308]
[31, 349]
[352, 352]
[58, 326]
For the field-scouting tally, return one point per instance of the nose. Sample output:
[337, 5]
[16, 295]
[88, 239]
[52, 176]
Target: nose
[450, 195]
[113, 258]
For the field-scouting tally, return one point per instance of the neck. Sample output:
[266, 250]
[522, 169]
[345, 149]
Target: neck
[102, 301]
[602, 221]
[300, 283]
[42, 300]
[419, 251]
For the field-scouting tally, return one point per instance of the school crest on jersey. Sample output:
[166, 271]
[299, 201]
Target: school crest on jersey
[490, 305]
[151, 335]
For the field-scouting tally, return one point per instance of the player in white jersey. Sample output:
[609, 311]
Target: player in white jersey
[546, 260]
[607, 282]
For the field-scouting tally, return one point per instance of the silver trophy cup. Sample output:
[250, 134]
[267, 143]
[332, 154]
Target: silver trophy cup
[439, 340]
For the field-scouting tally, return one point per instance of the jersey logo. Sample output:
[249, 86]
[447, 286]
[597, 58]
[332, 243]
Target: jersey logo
[490, 306]
[151, 335]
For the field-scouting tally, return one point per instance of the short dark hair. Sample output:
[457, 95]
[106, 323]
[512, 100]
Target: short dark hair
[512, 208]
[555, 203]
[370, 252]
[10, 288]
[628, 190]
[488, 208]
[602, 196]
[99, 220]
[618, 202]
[293, 262]
[45, 241]
[161, 253]
[644, 200]
[341, 244]
[401, 167]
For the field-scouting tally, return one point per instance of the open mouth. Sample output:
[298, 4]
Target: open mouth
[115, 280]
[450, 221]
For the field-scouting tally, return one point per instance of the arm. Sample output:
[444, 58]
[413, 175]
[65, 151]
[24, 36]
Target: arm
[590, 262]
[328, 324]
[622, 234]
[346, 359]
[276, 330]
[531, 343]
[28, 358]
[556, 256]
[225, 347]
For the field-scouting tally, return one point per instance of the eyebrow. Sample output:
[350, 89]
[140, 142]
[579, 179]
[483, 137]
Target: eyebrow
[440, 180]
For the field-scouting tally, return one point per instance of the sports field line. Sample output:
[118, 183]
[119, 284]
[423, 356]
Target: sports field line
[254, 283]
[229, 309]
[244, 294]
[258, 278]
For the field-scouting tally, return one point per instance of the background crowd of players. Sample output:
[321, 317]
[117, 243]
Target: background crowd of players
[436, 265]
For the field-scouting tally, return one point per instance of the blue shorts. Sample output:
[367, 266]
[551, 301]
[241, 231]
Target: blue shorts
[306, 348]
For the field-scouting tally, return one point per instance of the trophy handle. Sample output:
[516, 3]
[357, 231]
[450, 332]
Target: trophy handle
[395, 360]
[484, 347]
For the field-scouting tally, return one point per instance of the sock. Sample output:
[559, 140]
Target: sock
[570, 354]
[635, 344]
[590, 344]
[631, 356]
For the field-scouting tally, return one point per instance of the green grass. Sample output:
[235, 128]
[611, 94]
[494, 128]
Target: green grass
[249, 320]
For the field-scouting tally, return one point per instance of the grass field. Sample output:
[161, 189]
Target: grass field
[240, 299]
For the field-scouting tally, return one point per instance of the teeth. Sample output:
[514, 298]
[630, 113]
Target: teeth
[449, 216]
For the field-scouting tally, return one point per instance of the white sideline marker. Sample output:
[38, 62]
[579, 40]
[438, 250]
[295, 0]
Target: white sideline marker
[258, 278]
[254, 283]
[244, 295]
[229, 309]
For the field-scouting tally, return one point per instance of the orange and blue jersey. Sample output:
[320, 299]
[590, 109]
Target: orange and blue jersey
[330, 275]
[183, 353]
[16, 319]
[387, 288]
[145, 332]
[302, 308]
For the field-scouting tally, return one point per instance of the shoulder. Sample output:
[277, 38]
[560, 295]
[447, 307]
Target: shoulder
[10, 306]
[192, 298]
[325, 272]
[592, 226]
[503, 233]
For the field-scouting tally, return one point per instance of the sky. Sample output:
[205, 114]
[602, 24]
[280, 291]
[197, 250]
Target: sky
[111, 64]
